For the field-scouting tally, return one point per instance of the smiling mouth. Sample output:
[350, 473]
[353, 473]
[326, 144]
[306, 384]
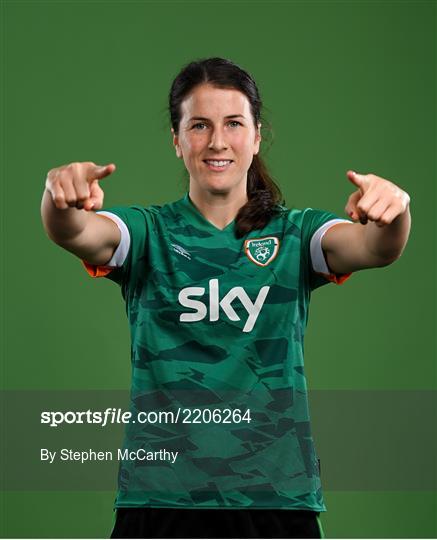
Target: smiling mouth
[217, 165]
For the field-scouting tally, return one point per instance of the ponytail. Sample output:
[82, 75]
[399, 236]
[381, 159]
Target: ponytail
[265, 200]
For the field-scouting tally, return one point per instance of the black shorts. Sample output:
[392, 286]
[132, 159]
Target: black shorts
[216, 523]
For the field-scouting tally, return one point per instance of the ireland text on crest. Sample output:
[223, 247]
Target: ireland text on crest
[262, 251]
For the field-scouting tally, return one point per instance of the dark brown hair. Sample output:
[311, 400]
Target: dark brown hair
[264, 196]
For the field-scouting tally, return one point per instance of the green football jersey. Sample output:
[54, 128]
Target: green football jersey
[219, 403]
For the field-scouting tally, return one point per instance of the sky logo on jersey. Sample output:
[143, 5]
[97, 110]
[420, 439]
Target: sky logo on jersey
[262, 251]
[253, 308]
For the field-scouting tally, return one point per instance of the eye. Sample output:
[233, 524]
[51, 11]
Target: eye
[199, 126]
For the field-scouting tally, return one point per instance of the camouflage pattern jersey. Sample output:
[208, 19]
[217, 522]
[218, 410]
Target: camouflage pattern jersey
[217, 327]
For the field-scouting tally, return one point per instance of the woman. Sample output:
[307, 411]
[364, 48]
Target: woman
[217, 287]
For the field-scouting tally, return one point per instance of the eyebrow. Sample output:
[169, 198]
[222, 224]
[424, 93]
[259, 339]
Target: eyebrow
[203, 118]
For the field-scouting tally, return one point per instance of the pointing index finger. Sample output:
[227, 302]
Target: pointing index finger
[359, 180]
[98, 172]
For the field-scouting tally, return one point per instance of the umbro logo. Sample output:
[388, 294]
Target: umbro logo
[181, 251]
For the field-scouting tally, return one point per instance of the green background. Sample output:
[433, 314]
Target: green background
[346, 85]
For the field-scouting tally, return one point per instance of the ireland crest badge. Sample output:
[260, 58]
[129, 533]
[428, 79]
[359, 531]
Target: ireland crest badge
[262, 251]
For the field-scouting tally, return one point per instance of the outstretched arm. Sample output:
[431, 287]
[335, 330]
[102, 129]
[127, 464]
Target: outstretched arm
[383, 210]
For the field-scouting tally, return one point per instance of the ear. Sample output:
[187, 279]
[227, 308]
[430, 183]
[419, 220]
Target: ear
[176, 144]
[257, 139]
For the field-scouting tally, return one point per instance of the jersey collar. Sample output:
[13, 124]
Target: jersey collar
[199, 220]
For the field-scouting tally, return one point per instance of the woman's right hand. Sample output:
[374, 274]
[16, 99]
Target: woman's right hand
[76, 185]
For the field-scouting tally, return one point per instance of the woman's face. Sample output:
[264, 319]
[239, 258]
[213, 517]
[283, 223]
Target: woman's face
[217, 124]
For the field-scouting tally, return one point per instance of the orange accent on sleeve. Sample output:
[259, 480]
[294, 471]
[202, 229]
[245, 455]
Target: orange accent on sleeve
[338, 279]
[97, 271]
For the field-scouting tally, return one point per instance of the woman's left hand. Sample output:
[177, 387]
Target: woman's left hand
[376, 199]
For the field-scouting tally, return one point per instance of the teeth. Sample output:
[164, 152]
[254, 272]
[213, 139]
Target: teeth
[218, 163]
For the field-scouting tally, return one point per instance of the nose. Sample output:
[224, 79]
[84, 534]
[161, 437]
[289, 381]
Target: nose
[217, 141]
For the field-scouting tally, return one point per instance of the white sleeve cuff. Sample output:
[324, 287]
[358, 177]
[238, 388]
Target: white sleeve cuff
[317, 257]
[122, 250]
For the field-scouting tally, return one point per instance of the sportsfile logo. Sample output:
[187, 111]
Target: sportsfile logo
[215, 304]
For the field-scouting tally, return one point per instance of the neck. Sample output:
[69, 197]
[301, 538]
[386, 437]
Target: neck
[220, 208]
